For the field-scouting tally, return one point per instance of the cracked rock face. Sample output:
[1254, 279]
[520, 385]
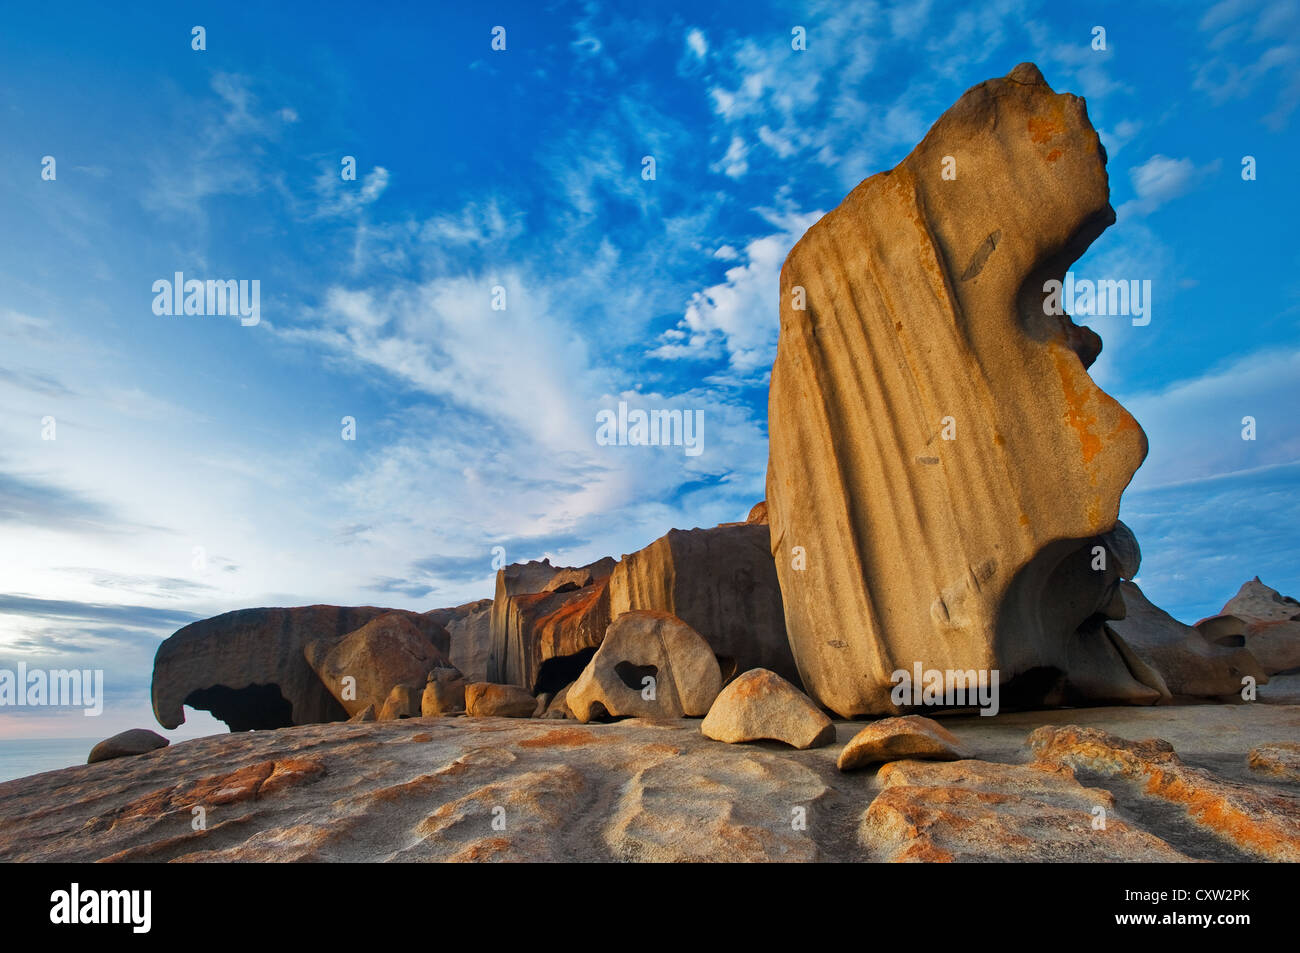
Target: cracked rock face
[941, 464]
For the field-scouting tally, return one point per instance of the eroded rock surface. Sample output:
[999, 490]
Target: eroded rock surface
[390, 650]
[941, 464]
[1262, 620]
[650, 664]
[426, 789]
[248, 668]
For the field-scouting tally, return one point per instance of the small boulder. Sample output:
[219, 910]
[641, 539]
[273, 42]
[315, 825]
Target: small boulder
[908, 736]
[444, 693]
[759, 705]
[651, 664]
[488, 699]
[127, 743]
[402, 702]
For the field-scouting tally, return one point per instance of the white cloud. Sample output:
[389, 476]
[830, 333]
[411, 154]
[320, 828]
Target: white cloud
[696, 43]
[1160, 180]
[734, 164]
[738, 318]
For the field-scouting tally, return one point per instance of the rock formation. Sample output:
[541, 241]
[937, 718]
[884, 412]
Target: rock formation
[364, 666]
[940, 460]
[650, 664]
[126, 744]
[543, 612]
[248, 668]
[487, 699]
[892, 739]
[760, 705]
[719, 581]
[1179, 655]
[1262, 620]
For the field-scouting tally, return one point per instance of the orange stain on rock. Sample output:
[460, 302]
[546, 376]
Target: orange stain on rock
[1042, 129]
[1076, 398]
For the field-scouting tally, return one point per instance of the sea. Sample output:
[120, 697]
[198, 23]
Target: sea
[20, 757]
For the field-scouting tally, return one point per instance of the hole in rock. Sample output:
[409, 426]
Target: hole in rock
[557, 672]
[255, 708]
[1231, 641]
[633, 676]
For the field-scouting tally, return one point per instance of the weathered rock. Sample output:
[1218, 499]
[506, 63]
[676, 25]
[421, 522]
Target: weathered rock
[758, 514]
[720, 582]
[1269, 626]
[486, 699]
[1281, 759]
[559, 704]
[912, 313]
[390, 649]
[640, 646]
[551, 635]
[761, 705]
[541, 612]
[1187, 664]
[126, 744]
[416, 790]
[248, 668]
[471, 641]
[975, 812]
[402, 702]
[444, 693]
[1261, 823]
[366, 714]
[890, 739]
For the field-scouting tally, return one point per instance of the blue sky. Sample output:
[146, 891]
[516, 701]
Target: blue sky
[522, 169]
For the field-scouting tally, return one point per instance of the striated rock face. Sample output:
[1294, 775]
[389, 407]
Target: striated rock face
[543, 612]
[471, 639]
[761, 705]
[389, 650]
[247, 667]
[1266, 622]
[940, 461]
[683, 674]
[1187, 663]
[720, 582]
[126, 744]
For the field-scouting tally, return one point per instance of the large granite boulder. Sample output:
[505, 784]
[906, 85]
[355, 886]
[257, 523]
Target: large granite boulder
[363, 667]
[248, 668]
[1263, 620]
[1187, 664]
[941, 464]
[722, 583]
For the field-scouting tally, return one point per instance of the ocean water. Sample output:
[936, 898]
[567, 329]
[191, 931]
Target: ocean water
[21, 757]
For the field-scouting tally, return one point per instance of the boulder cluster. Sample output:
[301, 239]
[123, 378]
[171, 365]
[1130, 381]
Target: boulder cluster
[943, 493]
